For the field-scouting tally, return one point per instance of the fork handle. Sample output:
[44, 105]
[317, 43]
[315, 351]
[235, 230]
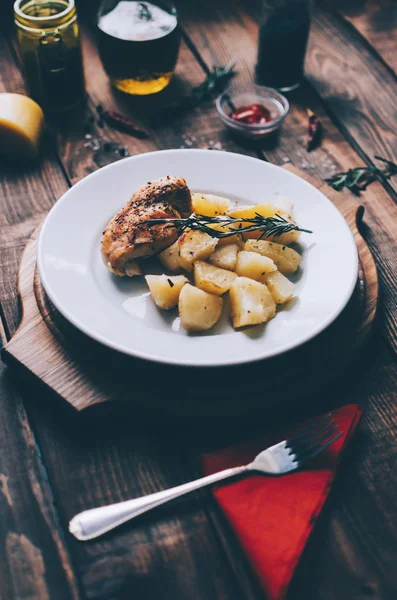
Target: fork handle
[92, 523]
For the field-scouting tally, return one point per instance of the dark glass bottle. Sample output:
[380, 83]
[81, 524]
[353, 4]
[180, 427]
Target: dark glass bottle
[283, 36]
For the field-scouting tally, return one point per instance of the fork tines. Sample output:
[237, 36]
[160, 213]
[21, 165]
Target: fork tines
[315, 439]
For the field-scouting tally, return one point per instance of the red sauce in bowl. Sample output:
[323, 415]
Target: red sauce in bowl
[254, 114]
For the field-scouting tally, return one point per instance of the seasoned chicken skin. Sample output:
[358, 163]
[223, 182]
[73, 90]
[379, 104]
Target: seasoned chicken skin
[127, 237]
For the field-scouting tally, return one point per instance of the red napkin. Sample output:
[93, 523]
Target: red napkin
[273, 516]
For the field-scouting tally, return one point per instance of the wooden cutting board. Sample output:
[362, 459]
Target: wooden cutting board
[84, 373]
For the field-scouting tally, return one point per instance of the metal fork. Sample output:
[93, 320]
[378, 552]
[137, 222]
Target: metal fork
[279, 459]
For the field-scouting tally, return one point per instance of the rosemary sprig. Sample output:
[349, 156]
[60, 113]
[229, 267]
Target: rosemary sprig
[144, 12]
[357, 180]
[212, 85]
[269, 226]
[214, 82]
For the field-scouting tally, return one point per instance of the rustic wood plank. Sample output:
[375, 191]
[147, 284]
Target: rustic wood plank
[376, 22]
[26, 195]
[121, 457]
[35, 558]
[31, 535]
[358, 89]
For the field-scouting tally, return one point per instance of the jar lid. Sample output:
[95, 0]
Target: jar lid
[36, 14]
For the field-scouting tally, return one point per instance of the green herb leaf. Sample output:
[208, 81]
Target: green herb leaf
[357, 180]
[214, 82]
[144, 12]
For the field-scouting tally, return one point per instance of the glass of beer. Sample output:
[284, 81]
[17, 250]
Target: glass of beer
[138, 44]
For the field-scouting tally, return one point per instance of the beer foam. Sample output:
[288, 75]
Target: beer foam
[125, 22]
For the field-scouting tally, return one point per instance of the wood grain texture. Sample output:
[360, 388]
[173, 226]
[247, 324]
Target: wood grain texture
[357, 88]
[376, 22]
[26, 195]
[60, 360]
[35, 558]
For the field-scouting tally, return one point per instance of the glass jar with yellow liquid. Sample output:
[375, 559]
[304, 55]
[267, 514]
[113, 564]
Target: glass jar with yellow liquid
[138, 44]
[49, 41]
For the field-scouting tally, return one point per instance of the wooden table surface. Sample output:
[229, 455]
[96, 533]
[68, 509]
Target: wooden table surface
[54, 462]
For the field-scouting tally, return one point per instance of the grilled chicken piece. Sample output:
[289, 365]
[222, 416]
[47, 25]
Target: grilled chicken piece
[127, 237]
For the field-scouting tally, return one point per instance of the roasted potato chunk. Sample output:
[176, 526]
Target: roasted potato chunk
[209, 205]
[254, 265]
[165, 289]
[225, 241]
[266, 210]
[195, 245]
[250, 212]
[198, 310]
[286, 238]
[169, 258]
[212, 279]
[225, 257]
[281, 288]
[286, 259]
[251, 303]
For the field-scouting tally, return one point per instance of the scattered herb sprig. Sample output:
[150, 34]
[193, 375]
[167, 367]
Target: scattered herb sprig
[357, 180]
[269, 226]
[214, 83]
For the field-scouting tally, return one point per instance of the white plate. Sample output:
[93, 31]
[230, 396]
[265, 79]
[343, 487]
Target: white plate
[119, 312]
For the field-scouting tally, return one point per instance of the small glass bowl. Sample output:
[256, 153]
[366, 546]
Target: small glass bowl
[275, 102]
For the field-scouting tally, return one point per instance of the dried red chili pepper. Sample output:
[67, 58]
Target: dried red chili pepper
[121, 122]
[314, 131]
[254, 114]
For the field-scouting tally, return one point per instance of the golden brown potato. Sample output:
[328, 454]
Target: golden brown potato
[250, 212]
[286, 259]
[225, 241]
[251, 303]
[286, 238]
[165, 289]
[169, 258]
[266, 210]
[209, 204]
[198, 310]
[254, 265]
[225, 257]
[281, 288]
[212, 279]
[195, 245]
